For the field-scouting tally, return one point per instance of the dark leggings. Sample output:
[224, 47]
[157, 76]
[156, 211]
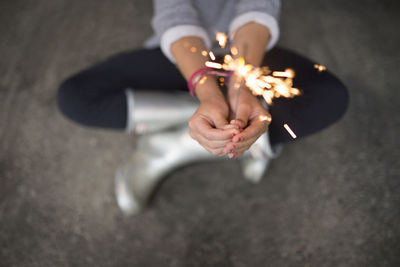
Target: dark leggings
[96, 96]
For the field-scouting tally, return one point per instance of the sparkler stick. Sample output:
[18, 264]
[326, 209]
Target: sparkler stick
[239, 85]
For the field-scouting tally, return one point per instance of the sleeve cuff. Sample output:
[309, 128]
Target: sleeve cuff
[175, 33]
[261, 18]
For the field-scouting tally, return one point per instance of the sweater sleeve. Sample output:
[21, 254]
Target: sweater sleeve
[175, 19]
[264, 12]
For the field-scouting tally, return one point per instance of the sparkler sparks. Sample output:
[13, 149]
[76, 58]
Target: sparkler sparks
[290, 131]
[265, 118]
[212, 56]
[213, 65]
[288, 73]
[203, 80]
[222, 38]
[234, 50]
[319, 67]
[260, 81]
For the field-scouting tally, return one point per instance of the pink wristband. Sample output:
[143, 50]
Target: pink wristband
[200, 73]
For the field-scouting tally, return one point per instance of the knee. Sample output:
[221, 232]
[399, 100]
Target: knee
[70, 99]
[325, 103]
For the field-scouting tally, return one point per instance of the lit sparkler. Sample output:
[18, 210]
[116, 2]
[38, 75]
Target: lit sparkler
[260, 81]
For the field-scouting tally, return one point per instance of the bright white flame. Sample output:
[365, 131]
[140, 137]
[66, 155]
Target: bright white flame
[242, 70]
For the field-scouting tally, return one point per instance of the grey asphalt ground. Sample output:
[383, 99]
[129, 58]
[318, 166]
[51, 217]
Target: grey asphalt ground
[331, 199]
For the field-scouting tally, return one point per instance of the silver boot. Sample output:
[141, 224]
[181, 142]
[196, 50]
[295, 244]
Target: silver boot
[165, 144]
[151, 111]
[255, 161]
[157, 154]
[160, 153]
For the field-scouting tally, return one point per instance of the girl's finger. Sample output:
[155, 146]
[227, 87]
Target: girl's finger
[255, 129]
[210, 133]
[210, 144]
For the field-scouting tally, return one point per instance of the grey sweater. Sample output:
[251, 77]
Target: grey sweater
[174, 19]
